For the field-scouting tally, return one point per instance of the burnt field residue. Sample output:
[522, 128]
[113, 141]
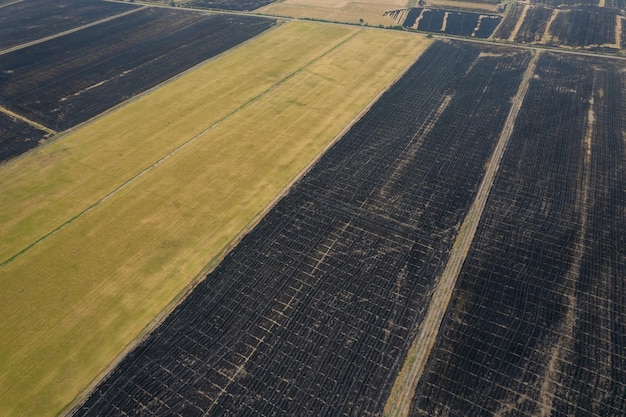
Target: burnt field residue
[589, 27]
[537, 324]
[68, 80]
[16, 136]
[235, 5]
[313, 312]
[452, 22]
[29, 20]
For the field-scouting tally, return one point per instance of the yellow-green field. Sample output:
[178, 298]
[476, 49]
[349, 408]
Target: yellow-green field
[103, 229]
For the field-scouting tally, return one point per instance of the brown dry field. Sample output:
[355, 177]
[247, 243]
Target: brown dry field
[371, 11]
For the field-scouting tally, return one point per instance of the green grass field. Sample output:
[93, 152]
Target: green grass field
[103, 229]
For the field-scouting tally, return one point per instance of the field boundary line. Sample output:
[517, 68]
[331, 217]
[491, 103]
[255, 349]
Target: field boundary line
[28, 121]
[214, 262]
[399, 402]
[519, 23]
[67, 32]
[175, 151]
[11, 3]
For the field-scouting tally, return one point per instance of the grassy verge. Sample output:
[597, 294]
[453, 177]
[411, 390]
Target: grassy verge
[71, 303]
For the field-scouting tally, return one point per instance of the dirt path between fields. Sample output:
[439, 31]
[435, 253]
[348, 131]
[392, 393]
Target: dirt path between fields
[28, 121]
[399, 402]
[519, 23]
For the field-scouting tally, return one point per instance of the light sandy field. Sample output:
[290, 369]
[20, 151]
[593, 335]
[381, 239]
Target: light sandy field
[73, 302]
[371, 11]
[460, 4]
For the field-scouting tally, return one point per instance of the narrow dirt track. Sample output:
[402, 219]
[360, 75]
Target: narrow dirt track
[25, 120]
[399, 402]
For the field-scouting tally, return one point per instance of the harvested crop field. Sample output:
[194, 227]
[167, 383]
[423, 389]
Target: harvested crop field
[313, 312]
[592, 26]
[371, 12]
[452, 22]
[581, 27]
[237, 5]
[537, 322]
[535, 24]
[29, 20]
[68, 80]
[140, 201]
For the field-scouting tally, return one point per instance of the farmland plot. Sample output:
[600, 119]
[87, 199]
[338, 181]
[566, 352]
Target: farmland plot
[568, 3]
[509, 23]
[122, 214]
[311, 314]
[68, 80]
[370, 12]
[534, 25]
[29, 20]
[616, 4]
[592, 26]
[452, 22]
[537, 325]
[239, 5]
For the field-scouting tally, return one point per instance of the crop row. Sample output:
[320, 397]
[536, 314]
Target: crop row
[65, 81]
[451, 22]
[537, 324]
[312, 313]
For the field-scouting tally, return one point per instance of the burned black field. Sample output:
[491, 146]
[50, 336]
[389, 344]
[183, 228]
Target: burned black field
[538, 320]
[17, 137]
[313, 312]
[65, 81]
[457, 23]
[27, 21]
[235, 5]
[582, 27]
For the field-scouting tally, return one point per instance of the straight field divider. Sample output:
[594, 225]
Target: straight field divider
[28, 121]
[399, 401]
[11, 3]
[176, 150]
